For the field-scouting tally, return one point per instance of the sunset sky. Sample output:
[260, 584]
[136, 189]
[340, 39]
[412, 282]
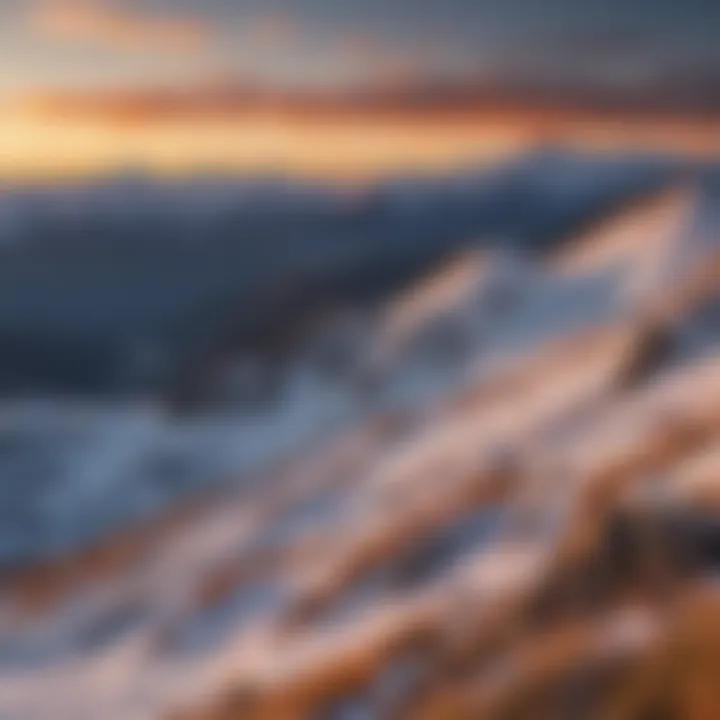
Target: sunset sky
[118, 50]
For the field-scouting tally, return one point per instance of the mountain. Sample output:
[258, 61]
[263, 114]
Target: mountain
[532, 535]
[132, 287]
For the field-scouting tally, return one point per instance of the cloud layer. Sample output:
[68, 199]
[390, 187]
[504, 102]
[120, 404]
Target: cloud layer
[97, 22]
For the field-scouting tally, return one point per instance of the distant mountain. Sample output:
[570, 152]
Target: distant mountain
[129, 286]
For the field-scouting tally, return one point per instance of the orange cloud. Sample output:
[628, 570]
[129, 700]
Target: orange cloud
[98, 22]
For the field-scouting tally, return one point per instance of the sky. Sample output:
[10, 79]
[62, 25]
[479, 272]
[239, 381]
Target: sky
[631, 49]
[311, 43]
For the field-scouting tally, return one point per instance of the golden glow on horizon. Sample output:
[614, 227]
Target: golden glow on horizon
[37, 146]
